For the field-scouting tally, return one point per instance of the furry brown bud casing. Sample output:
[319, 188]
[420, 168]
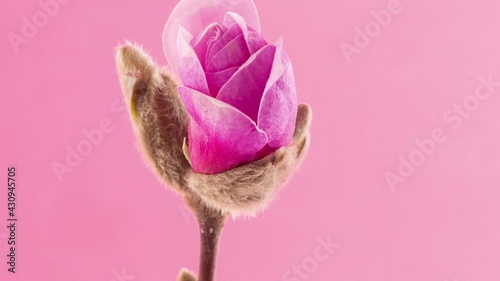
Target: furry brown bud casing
[157, 113]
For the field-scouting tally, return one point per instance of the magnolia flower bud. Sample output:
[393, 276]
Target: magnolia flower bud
[160, 121]
[231, 133]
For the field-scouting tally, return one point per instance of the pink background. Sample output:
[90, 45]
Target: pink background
[110, 213]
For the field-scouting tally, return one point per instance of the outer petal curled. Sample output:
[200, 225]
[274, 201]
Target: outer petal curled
[220, 136]
[277, 109]
[190, 69]
[195, 15]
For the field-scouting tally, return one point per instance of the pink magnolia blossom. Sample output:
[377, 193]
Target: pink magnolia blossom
[238, 89]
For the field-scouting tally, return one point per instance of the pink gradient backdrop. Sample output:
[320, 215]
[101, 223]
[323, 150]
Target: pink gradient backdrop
[110, 213]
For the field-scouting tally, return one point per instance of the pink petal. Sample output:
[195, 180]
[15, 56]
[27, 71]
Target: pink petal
[228, 36]
[220, 136]
[236, 45]
[254, 40]
[190, 70]
[278, 109]
[233, 54]
[213, 41]
[196, 15]
[212, 33]
[245, 88]
[216, 80]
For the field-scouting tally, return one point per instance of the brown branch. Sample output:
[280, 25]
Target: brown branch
[210, 230]
[210, 222]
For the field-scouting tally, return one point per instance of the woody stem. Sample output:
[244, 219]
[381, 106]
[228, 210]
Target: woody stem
[210, 230]
[211, 222]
